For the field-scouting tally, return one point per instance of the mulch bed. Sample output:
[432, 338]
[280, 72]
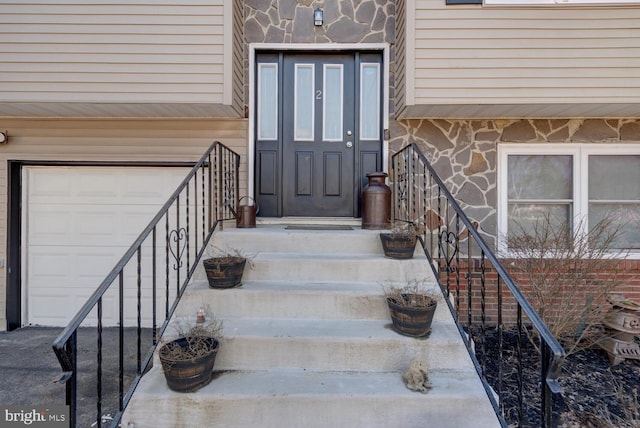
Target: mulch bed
[596, 394]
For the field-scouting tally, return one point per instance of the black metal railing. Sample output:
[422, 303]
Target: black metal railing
[109, 344]
[515, 354]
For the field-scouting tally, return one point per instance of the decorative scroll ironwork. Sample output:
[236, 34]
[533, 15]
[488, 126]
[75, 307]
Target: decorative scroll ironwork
[449, 245]
[179, 237]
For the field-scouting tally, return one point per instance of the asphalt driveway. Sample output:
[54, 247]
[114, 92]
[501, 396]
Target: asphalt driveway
[29, 369]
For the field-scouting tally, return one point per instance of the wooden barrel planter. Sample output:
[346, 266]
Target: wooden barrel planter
[411, 321]
[398, 246]
[188, 374]
[224, 272]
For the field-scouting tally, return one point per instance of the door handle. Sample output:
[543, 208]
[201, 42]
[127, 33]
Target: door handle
[349, 144]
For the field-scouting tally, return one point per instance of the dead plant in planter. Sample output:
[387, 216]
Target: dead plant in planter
[411, 307]
[567, 274]
[400, 242]
[188, 360]
[225, 267]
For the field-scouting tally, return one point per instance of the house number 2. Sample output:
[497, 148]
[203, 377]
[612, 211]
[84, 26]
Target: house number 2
[318, 95]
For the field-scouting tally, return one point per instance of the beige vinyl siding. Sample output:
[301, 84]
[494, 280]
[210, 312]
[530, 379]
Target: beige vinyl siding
[401, 53]
[576, 60]
[238, 57]
[157, 55]
[148, 140]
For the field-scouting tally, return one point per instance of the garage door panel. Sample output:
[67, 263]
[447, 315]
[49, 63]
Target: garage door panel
[46, 263]
[79, 223]
[54, 223]
[94, 225]
[48, 185]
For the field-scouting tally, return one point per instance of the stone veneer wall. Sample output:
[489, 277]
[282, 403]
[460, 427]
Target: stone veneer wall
[464, 152]
[345, 21]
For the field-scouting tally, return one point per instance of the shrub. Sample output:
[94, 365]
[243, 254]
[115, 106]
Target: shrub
[567, 275]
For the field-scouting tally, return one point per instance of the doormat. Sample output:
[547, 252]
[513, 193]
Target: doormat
[318, 227]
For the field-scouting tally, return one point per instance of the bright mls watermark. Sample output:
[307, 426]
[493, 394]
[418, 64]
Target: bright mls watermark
[54, 416]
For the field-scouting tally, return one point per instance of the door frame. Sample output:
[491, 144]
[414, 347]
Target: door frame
[382, 48]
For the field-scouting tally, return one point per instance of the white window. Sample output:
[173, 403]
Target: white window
[267, 101]
[570, 183]
[304, 104]
[332, 102]
[369, 101]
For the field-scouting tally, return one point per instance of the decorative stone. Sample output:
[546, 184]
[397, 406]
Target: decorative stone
[365, 12]
[274, 17]
[379, 21]
[443, 167]
[390, 27]
[274, 35]
[347, 31]
[346, 9]
[543, 126]
[471, 194]
[630, 131]
[480, 181]
[287, 8]
[519, 132]
[487, 136]
[558, 123]
[263, 19]
[561, 134]
[463, 157]
[593, 130]
[303, 31]
[262, 5]
[253, 31]
[444, 124]
[434, 135]
[374, 38]
[321, 38]
[478, 164]
[331, 11]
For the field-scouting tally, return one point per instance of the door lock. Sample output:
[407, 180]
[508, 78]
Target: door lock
[349, 144]
[349, 133]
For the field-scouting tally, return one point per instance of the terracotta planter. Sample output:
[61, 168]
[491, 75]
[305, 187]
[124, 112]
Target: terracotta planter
[411, 321]
[398, 246]
[191, 374]
[224, 272]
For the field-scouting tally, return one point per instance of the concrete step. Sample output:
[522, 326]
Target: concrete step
[351, 345]
[311, 399]
[334, 345]
[277, 238]
[295, 299]
[308, 343]
[304, 267]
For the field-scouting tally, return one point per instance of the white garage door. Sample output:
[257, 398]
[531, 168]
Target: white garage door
[77, 223]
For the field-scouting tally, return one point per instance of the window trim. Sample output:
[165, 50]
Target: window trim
[580, 153]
